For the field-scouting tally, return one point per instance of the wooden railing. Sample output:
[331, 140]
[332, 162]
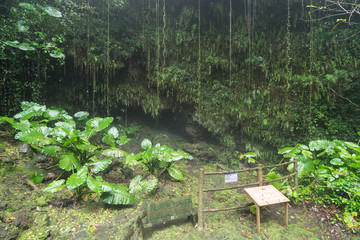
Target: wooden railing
[260, 182]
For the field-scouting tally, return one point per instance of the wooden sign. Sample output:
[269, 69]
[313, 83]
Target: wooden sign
[170, 209]
[267, 195]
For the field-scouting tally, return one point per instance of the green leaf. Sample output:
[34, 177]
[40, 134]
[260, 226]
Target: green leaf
[68, 162]
[81, 115]
[55, 186]
[175, 173]
[37, 178]
[135, 184]
[9, 120]
[53, 12]
[114, 152]
[353, 146]
[350, 220]
[22, 125]
[30, 109]
[249, 156]
[119, 195]
[14, 44]
[337, 162]
[26, 47]
[109, 140]
[57, 54]
[138, 185]
[272, 175]
[131, 160]
[77, 179]
[146, 144]
[51, 150]
[93, 184]
[99, 123]
[113, 132]
[99, 165]
[123, 139]
[54, 113]
[355, 164]
[305, 166]
[28, 6]
[21, 26]
[38, 135]
[149, 185]
[66, 127]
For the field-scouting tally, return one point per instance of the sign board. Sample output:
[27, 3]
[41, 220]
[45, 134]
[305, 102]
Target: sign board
[266, 195]
[231, 177]
[165, 210]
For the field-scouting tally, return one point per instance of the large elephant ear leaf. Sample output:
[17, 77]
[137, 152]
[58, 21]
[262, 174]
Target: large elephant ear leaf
[77, 179]
[93, 184]
[99, 124]
[114, 132]
[55, 186]
[99, 166]
[81, 115]
[22, 125]
[146, 144]
[118, 195]
[131, 160]
[30, 109]
[51, 150]
[114, 152]
[52, 12]
[305, 166]
[68, 162]
[38, 135]
[175, 173]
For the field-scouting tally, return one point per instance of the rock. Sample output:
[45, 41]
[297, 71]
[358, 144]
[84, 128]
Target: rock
[200, 150]
[25, 148]
[40, 158]
[128, 173]
[49, 176]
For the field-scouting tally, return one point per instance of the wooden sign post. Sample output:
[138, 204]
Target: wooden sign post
[264, 196]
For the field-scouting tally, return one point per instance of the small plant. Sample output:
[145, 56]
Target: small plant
[158, 159]
[250, 156]
[54, 132]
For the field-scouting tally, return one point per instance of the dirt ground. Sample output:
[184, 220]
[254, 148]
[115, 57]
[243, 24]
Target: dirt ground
[26, 212]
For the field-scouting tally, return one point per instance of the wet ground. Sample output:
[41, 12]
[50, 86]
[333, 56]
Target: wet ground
[26, 212]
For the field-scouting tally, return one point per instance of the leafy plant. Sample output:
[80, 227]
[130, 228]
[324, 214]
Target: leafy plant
[158, 159]
[54, 132]
[329, 174]
[249, 156]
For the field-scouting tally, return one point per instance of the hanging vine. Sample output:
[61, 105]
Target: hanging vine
[288, 43]
[108, 60]
[249, 18]
[230, 43]
[199, 60]
[164, 35]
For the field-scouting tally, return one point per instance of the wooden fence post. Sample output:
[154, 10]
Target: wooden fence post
[260, 175]
[296, 175]
[201, 201]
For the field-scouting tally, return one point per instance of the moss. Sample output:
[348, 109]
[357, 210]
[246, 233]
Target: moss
[41, 201]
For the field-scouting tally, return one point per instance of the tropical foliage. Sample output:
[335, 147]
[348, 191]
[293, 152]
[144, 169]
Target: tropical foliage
[52, 131]
[329, 172]
[158, 159]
